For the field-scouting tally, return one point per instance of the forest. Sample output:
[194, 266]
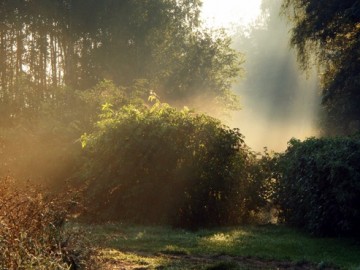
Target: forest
[116, 150]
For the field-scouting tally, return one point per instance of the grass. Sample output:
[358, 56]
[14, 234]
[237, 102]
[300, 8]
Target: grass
[154, 247]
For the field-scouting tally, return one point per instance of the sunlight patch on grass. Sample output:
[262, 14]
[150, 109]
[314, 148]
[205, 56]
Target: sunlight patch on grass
[140, 235]
[131, 259]
[226, 239]
[175, 250]
[220, 238]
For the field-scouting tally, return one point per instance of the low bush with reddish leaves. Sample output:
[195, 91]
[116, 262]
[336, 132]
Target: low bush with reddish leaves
[33, 234]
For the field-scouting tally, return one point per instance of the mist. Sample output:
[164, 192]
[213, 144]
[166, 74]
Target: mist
[278, 100]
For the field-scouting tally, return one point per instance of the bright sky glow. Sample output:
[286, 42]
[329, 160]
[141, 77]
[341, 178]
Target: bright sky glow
[228, 13]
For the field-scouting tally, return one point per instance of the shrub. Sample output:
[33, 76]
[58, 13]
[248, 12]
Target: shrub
[32, 233]
[161, 165]
[319, 185]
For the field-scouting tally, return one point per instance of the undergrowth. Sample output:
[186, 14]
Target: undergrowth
[33, 233]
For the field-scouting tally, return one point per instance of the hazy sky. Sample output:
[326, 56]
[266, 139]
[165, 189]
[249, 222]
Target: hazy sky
[224, 13]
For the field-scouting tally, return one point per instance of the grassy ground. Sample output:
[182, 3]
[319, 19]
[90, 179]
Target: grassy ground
[248, 247]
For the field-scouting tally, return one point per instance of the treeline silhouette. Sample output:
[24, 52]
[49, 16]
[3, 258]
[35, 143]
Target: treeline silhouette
[49, 44]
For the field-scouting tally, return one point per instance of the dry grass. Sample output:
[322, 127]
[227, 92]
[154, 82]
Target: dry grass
[32, 231]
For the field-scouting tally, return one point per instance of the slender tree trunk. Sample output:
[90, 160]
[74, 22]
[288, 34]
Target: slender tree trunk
[3, 84]
[53, 50]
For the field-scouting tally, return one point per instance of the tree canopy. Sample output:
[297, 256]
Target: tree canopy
[328, 32]
[49, 44]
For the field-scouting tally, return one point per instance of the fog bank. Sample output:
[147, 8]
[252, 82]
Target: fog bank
[278, 100]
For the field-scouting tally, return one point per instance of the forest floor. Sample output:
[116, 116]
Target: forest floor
[249, 247]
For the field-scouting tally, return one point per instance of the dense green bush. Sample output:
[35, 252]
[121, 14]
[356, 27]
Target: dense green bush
[319, 185]
[161, 165]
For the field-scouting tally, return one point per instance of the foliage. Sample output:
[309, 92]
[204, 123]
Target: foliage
[318, 187]
[204, 69]
[77, 44]
[160, 165]
[330, 34]
[61, 60]
[32, 234]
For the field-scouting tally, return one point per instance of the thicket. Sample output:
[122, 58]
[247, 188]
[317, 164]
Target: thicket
[318, 185]
[157, 164]
[33, 233]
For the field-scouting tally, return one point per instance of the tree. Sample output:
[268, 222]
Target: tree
[58, 58]
[328, 33]
[55, 43]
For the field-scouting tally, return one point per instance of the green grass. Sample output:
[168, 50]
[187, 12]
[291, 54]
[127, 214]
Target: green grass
[168, 248]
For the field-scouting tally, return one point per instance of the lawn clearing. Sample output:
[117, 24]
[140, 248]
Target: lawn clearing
[246, 247]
